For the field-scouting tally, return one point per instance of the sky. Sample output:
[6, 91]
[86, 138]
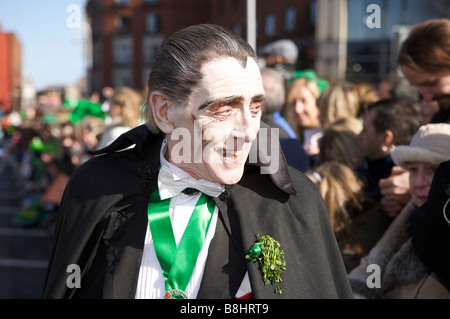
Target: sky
[51, 38]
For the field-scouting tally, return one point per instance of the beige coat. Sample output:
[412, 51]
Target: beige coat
[402, 275]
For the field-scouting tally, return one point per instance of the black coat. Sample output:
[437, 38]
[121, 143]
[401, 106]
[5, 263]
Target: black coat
[429, 229]
[102, 224]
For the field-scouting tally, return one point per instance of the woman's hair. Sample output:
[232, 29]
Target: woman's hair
[397, 115]
[367, 94]
[176, 69]
[341, 99]
[427, 47]
[340, 145]
[351, 124]
[343, 194]
[130, 101]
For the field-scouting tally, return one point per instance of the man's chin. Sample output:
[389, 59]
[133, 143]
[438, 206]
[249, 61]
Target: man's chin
[229, 177]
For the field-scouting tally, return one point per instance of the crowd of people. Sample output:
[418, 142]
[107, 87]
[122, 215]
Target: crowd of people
[373, 150]
[43, 151]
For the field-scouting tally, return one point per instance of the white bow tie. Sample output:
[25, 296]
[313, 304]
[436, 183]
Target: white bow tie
[169, 187]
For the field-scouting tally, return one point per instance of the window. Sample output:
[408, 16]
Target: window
[123, 77]
[122, 25]
[123, 51]
[97, 53]
[237, 27]
[122, 3]
[152, 23]
[313, 13]
[150, 46]
[270, 24]
[97, 28]
[290, 16]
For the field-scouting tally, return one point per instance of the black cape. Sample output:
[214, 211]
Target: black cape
[102, 223]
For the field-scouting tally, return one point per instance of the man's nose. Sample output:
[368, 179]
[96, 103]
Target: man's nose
[427, 94]
[246, 129]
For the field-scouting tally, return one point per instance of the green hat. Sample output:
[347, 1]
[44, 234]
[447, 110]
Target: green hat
[84, 108]
[310, 75]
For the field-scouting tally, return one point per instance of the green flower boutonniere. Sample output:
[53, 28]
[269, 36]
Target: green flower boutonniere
[270, 256]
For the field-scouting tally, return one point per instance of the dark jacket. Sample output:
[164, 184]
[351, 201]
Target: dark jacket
[102, 224]
[371, 171]
[440, 117]
[429, 229]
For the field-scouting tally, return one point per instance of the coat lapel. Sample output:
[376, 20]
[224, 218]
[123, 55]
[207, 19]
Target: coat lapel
[225, 267]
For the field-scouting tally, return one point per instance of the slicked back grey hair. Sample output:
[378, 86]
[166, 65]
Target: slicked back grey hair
[176, 69]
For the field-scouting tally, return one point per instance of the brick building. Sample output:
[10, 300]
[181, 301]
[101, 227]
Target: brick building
[292, 19]
[125, 34]
[10, 72]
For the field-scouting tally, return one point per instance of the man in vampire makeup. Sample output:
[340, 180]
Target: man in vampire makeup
[203, 205]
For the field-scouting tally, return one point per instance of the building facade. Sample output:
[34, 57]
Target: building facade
[352, 40]
[125, 34]
[10, 72]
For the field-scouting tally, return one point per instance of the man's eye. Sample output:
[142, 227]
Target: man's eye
[221, 110]
[255, 107]
[255, 110]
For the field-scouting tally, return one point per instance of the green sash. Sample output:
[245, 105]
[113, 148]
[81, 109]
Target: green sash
[177, 264]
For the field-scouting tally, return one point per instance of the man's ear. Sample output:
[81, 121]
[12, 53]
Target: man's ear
[159, 106]
[388, 138]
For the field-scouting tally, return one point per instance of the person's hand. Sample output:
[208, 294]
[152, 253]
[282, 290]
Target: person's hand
[395, 191]
[311, 145]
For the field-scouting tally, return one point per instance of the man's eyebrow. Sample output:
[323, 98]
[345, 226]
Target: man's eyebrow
[259, 97]
[225, 100]
[229, 100]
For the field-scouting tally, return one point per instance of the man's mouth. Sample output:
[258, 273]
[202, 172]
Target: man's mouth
[233, 156]
[230, 152]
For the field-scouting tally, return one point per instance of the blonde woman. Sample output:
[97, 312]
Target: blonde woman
[302, 109]
[125, 113]
[341, 100]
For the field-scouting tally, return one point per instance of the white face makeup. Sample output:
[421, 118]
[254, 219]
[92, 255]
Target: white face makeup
[222, 119]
